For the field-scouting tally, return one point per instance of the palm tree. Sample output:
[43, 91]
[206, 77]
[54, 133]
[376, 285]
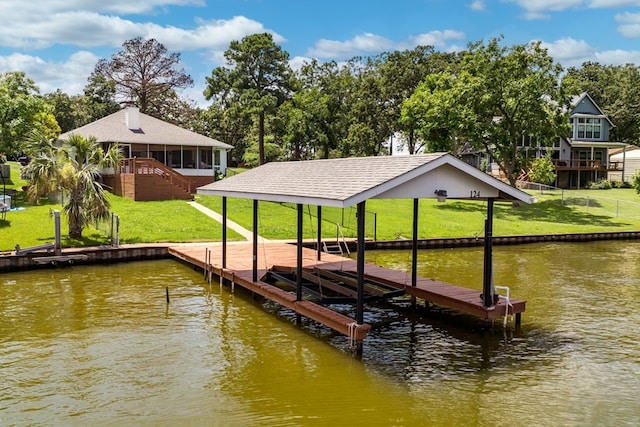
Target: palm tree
[72, 168]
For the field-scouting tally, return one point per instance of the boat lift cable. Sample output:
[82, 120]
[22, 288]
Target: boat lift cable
[507, 302]
[264, 250]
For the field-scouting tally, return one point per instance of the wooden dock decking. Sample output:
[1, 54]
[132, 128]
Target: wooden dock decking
[240, 271]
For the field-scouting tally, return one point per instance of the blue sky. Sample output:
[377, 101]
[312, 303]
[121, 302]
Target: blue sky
[58, 42]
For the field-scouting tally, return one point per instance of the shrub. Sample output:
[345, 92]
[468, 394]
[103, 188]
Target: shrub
[604, 184]
[621, 184]
[636, 182]
[543, 170]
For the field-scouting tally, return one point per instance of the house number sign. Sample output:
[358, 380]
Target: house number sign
[474, 194]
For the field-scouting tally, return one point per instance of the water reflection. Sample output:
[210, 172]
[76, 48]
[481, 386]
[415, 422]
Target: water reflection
[99, 345]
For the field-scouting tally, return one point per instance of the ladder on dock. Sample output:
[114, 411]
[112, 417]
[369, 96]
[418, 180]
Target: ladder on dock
[340, 246]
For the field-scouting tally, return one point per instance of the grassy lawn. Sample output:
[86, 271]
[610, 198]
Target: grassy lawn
[554, 213]
[174, 221]
[140, 222]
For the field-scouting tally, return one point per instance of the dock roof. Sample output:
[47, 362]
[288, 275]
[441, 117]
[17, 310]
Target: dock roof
[348, 181]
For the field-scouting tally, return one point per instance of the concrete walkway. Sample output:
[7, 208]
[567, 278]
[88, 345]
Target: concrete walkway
[230, 224]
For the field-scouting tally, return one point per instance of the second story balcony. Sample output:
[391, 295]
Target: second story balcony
[587, 165]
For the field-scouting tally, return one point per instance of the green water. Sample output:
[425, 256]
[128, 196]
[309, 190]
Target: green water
[98, 345]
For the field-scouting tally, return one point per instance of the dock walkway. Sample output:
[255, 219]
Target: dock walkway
[239, 271]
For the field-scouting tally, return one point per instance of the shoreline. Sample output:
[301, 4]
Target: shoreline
[10, 262]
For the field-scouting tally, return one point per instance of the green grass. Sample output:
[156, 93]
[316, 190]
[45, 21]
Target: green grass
[140, 222]
[174, 221]
[554, 213]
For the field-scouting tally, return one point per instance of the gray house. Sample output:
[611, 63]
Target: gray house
[162, 161]
[584, 156]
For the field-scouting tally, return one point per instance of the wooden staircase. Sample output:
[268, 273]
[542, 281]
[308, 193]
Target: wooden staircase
[149, 179]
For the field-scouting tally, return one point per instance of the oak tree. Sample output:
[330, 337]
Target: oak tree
[501, 95]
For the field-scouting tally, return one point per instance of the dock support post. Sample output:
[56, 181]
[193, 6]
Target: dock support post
[319, 242]
[360, 264]
[299, 257]
[487, 283]
[255, 241]
[58, 244]
[414, 246]
[224, 232]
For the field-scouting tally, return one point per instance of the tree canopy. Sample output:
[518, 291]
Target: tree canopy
[255, 81]
[500, 96]
[22, 110]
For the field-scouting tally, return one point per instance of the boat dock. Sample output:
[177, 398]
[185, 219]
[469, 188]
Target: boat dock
[331, 280]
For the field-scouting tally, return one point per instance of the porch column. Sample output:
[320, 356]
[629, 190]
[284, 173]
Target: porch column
[299, 257]
[224, 232]
[487, 284]
[360, 264]
[255, 241]
[223, 162]
[624, 161]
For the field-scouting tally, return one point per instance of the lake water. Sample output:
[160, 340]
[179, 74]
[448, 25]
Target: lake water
[98, 345]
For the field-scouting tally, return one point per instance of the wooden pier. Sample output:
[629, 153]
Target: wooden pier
[282, 257]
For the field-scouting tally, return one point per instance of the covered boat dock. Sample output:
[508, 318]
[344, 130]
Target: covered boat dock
[326, 278]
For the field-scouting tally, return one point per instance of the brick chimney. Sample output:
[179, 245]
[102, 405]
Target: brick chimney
[132, 118]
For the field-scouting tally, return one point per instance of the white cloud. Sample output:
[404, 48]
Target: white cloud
[33, 25]
[89, 29]
[368, 43]
[363, 44]
[438, 39]
[296, 63]
[537, 9]
[605, 4]
[69, 76]
[629, 24]
[23, 10]
[477, 5]
[569, 52]
[573, 53]
[618, 57]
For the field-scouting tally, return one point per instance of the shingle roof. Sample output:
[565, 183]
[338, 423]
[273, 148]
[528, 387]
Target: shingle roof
[113, 128]
[345, 182]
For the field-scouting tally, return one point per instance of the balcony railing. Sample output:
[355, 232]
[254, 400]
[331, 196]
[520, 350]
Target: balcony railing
[587, 165]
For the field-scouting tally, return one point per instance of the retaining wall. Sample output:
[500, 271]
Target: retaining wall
[94, 255]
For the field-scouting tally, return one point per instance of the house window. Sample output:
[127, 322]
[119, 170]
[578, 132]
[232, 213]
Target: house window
[189, 155]
[174, 156]
[206, 158]
[157, 152]
[589, 128]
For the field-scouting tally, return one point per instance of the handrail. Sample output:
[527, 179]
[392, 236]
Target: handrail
[586, 164]
[154, 167]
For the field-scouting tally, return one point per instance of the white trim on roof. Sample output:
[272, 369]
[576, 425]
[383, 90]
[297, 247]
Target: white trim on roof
[347, 182]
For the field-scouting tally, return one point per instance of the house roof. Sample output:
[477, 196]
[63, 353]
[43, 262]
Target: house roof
[596, 144]
[346, 182]
[148, 130]
[629, 154]
[576, 100]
